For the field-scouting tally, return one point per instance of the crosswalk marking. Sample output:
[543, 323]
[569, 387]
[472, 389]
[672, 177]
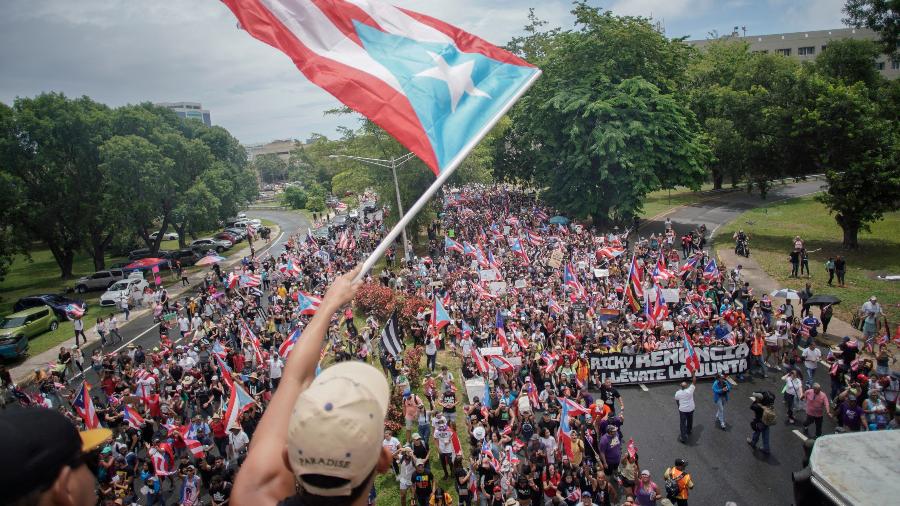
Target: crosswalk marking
[643, 387]
[800, 435]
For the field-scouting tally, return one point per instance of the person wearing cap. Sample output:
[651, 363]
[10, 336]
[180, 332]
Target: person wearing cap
[760, 429]
[683, 480]
[45, 460]
[850, 415]
[328, 428]
[423, 482]
[870, 312]
[817, 405]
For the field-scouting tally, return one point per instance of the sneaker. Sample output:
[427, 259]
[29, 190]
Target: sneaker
[722, 426]
[750, 442]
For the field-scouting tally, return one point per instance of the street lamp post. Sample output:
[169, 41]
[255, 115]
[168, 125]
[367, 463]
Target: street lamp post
[392, 164]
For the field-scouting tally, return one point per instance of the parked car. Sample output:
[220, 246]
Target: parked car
[226, 236]
[208, 243]
[55, 301]
[98, 280]
[16, 329]
[168, 236]
[369, 207]
[122, 288]
[339, 222]
[187, 257]
[140, 254]
[353, 215]
[241, 233]
[241, 216]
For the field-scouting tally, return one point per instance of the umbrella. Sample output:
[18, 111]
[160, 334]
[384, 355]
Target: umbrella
[209, 260]
[785, 293]
[144, 263]
[822, 300]
[559, 220]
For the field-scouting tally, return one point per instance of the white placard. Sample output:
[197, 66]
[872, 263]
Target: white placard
[667, 325]
[490, 351]
[520, 283]
[497, 287]
[489, 275]
[506, 229]
[601, 273]
[475, 388]
[670, 294]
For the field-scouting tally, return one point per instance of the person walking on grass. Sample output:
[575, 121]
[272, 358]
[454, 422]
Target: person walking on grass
[840, 269]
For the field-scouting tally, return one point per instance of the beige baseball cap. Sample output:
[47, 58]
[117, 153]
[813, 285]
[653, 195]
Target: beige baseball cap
[337, 426]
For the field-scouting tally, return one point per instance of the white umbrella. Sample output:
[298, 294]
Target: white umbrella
[209, 259]
[785, 293]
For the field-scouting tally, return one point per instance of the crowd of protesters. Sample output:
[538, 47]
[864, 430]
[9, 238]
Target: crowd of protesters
[505, 275]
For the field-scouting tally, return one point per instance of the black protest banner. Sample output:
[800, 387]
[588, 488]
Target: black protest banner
[667, 365]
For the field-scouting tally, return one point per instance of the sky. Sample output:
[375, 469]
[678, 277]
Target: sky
[129, 51]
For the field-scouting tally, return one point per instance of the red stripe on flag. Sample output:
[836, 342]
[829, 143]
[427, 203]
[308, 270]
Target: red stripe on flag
[362, 92]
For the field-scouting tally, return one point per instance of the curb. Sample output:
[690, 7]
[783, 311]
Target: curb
[26, 378]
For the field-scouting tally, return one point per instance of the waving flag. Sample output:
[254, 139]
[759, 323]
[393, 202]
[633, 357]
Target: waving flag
[439, 316]
[711, 271]
[311, 239]
[430, 85]
[502, 363]
[289, 343]
[482, 293]
[660, 310]
[468, 248]
[224, 370]
[515, 244]
[534, 238]
[609, 252]
[75, 310]
[307, 304]
[660, 273]
[250, 280]
[84, 406]
[451, 245]
[633, 288]
[554, 306]
[132, 418]
[541, 215]
[564, 433]
[492, 260]
[163, 459]
[233, 279]
[501, 331]
[691, 360]
[689, 266]
[571, 279]
[238, 402]
[572, 407]
[466, 329]
[480, 362]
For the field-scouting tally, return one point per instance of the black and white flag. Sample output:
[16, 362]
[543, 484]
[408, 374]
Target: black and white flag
[391, 337]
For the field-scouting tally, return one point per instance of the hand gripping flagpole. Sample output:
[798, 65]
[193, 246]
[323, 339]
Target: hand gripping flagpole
[441, 179]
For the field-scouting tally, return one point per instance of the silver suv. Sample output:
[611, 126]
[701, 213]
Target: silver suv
[100, 280]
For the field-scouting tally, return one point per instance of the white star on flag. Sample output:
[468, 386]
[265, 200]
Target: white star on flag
[457, 77]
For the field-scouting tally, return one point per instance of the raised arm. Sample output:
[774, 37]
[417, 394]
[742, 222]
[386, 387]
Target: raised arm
[265, 478]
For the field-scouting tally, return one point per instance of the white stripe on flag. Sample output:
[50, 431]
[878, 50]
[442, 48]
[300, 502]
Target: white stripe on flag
[319, 34]
[390, 340]
[394, 21]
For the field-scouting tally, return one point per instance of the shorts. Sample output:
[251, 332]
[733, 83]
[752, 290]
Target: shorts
[405, 484]
[772, 347]
[451, 416]
[627, 483]
[412, 423]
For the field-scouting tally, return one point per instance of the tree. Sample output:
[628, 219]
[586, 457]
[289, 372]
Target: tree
[49, 146]
[850, 61]
[11, 204]
[858, 150]
[881, 16]
[271, 168]
[605, 124]
[294, 197]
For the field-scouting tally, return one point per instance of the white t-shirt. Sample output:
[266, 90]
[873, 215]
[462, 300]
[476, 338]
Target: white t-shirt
[238, 440]
[275, 367]
[811, 357]
[685, 398]
[392, 444]
[184, 324]
[443, 438]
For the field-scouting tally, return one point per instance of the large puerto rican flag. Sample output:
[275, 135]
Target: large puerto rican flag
[432, 86]
[84, 406]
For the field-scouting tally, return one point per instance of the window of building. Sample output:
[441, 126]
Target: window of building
[806, 51]
[783, 52]
[895, 64]
[761, 51]
[823, 48]
[879, 65]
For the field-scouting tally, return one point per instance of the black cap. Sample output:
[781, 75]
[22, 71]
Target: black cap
[680, 462]
[36, 443]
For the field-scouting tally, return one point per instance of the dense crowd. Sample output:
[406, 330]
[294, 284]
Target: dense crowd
[524, 299]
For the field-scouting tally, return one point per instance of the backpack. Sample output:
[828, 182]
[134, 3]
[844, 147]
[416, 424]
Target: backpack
[672, 488]
[768, 398]
[768, 416]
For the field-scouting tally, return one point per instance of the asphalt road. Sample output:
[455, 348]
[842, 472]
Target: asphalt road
[143, 331]
[719, 208]
[723, 466]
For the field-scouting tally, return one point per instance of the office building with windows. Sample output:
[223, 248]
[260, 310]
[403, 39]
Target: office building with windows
[806, 46]
[190, 110]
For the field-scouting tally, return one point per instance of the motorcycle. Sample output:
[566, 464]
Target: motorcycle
[742, 248]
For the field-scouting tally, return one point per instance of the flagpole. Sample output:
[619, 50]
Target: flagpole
[441, 179]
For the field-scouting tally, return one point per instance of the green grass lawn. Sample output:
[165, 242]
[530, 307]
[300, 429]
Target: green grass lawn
[663, 200]
[773, 228]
